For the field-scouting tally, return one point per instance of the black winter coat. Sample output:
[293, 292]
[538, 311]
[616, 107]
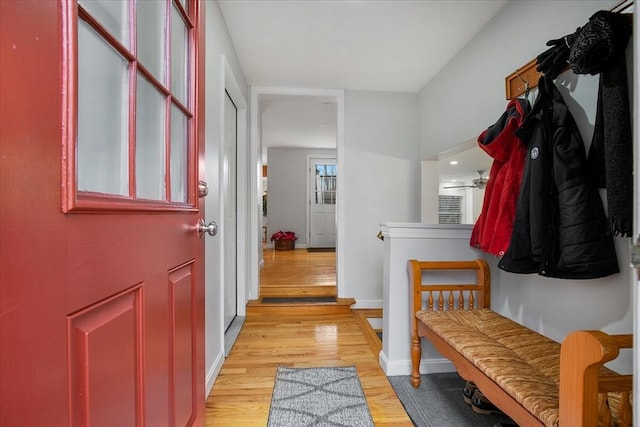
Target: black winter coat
[560, 228]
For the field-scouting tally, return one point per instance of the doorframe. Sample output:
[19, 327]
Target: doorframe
[230, 84]
[255, 165]
[308, 191]
[229, 195]
[635, 273]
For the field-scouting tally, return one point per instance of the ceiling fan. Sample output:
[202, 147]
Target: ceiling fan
[480, 182]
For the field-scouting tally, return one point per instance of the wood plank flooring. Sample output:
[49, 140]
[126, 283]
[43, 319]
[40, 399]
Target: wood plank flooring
[298, 273]
[241, 395]
[242, 392]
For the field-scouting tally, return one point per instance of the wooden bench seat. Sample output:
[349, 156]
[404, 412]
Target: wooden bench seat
[533, 379]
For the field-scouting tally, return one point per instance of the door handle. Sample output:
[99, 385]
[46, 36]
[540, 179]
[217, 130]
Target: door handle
[211, 229]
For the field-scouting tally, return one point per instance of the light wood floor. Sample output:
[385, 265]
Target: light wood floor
[242, 392]
[298, 273]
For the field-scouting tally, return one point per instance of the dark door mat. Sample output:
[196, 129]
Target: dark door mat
[439, 402]
[321, 249]
[285, 300]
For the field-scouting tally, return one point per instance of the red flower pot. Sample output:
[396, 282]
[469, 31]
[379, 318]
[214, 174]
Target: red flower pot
[284, 240]
[284, 245]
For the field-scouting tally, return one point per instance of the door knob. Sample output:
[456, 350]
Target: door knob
[211, 228]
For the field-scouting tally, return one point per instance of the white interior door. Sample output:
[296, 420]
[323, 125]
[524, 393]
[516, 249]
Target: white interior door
[230, 211]
[322, 203]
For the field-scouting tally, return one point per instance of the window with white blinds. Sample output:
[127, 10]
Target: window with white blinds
[449, 209]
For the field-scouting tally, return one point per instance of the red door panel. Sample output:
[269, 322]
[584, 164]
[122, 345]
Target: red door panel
[105, 363]
[157, 352]
[181, 285]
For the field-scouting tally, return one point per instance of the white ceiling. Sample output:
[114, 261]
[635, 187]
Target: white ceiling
[295, 121]
[378, 45]
[388, 45]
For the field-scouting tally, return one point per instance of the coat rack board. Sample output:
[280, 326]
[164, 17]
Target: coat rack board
[516, 82]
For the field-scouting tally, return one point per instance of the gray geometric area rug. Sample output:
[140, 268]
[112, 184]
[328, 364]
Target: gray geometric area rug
[319, 397]
[438, 402]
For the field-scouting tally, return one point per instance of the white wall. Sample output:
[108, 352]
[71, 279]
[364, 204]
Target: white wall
[381, 173]
[218, 43]
[467, 96]
[287, 196]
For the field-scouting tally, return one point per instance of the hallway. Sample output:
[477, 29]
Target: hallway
[242, 392]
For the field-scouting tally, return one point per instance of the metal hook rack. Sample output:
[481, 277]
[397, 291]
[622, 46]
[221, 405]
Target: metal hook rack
[522, 80]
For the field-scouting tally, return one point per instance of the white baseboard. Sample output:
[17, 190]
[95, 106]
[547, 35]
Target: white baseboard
[403, 367]
[212, 373]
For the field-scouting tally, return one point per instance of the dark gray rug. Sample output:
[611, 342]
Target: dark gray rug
[321, 249]
[438, 402]
[322, 397]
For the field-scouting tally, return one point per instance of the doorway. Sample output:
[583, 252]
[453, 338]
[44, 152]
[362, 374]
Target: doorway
[261, 98]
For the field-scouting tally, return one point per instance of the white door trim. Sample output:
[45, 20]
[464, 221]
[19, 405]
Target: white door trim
[229, 194]
[255, 162]
[635, 285]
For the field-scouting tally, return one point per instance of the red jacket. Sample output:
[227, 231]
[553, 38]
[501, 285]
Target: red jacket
[492, 231]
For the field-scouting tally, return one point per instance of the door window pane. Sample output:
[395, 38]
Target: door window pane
[150, 142]
[325, 184]
[102, 145]
[178, 155]
[133, 114]
[179, 62]
[113, 15]
[150, 35]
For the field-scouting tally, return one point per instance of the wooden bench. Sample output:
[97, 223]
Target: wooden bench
[531, 378]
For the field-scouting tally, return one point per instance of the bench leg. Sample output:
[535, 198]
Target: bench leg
[416, 355]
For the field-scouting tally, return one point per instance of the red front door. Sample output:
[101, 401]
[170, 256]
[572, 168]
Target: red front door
[101, 285]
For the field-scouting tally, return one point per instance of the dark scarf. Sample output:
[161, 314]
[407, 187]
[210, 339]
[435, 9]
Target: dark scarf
[599, 48]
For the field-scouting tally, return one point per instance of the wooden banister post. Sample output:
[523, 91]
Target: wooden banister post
[581, 356]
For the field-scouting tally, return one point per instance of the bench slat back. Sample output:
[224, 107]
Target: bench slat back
[441, 296]
[450, 292]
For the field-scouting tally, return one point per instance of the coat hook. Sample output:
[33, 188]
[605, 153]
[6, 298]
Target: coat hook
[526, 84]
